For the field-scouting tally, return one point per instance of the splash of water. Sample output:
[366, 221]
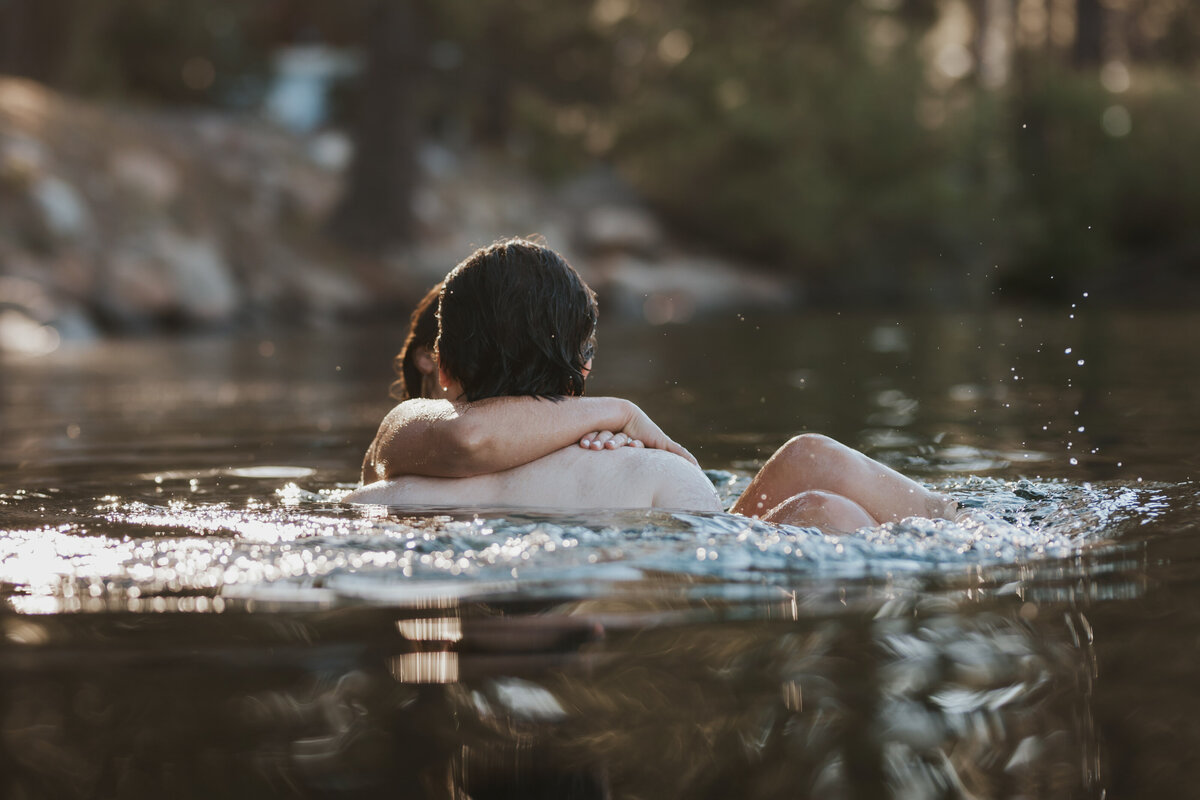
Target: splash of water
[304, 547]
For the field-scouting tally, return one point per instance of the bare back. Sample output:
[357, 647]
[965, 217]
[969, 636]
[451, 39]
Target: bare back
[571, 478]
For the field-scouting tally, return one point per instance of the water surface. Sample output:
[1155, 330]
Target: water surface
[190, 610]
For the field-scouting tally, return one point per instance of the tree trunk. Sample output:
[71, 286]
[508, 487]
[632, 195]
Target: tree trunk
[497, 80]
[1089, 33]
[376, 210]
[83, 31]
[29, 37]
[994, 41]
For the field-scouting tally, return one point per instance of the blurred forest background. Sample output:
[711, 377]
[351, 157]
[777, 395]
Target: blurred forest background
[237, 162]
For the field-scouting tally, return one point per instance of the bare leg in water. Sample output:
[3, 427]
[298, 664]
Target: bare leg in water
[816, 481]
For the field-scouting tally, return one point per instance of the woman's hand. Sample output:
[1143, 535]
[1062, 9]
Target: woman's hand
[607, 440]
[640, 431]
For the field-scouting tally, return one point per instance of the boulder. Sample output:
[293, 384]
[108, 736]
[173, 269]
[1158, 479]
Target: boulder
[145, 173]
[680, 287]
[21, 157]
[331, 151]
[201, 280]
[327, 295]
[22, 335]
[136, 289]
[620, 228]
[168, 275]
[34, 318]
[63, 210]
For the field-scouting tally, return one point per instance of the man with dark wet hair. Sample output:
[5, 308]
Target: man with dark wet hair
[515, 319]
[516, 335]
[516, 322]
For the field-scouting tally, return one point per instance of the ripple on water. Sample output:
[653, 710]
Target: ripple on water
[302, 546]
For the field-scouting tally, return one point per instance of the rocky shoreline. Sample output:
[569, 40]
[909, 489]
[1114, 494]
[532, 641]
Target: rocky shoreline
[122, 220]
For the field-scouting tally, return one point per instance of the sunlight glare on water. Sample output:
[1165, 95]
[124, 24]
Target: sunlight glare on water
[325, 553]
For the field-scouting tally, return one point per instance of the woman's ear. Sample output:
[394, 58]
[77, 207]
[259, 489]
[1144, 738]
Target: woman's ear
[587, 368]
[423, 359]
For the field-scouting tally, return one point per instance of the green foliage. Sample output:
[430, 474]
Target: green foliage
[843, 164]
[805, 150]
[807, 134]
[179, 52]
[1109, 186]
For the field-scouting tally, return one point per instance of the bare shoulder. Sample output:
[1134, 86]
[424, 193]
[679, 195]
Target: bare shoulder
[628, 477]
[675, 482]
[420, 409]
[571, 478]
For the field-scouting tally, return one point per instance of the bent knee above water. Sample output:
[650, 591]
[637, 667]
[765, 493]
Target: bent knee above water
[811, 446]
[817, 500]
[825, 510]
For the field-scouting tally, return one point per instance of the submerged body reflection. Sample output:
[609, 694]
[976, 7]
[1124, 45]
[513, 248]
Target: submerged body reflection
[929, 697]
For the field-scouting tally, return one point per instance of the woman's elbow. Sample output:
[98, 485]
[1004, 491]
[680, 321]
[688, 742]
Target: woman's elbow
[466, 449]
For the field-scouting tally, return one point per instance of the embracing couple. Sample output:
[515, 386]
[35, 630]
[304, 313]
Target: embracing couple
[492, 414]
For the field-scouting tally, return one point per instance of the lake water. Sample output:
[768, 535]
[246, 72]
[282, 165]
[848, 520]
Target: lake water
[188, 611]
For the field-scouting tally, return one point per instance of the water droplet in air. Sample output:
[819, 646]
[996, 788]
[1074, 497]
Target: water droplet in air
[1074, 462]
[1068, 350]
[1079, 362]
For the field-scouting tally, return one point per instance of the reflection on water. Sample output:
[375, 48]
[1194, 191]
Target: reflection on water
[285, 644]
[189, 610]
[912, 696]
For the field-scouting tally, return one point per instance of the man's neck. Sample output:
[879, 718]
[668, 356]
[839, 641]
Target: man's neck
[452, 390]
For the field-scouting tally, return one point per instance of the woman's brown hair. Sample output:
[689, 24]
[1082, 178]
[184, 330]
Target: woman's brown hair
[422, 332]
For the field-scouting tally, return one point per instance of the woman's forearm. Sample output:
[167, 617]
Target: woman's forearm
[443, 439]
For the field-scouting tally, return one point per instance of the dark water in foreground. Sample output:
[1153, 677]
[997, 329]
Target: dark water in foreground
[189, 612]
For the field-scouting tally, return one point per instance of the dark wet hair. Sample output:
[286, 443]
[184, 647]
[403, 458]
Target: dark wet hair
[516, 319]
[422, 332]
